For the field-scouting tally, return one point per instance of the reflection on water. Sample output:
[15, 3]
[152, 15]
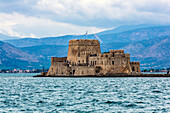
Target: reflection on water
[21, 92]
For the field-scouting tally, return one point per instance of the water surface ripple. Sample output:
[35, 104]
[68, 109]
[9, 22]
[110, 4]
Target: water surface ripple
[26, 94]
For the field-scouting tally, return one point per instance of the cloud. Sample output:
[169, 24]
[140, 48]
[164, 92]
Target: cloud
[120, 11]
[39, 18]
[25, 26]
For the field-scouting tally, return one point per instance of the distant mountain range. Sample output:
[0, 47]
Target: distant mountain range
[147, 44]
[126, 28]
[6, 37]
[12, 57]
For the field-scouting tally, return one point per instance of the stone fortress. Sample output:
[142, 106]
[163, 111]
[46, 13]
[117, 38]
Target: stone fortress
[85, 59]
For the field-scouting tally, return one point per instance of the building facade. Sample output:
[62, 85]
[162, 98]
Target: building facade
[85, 58]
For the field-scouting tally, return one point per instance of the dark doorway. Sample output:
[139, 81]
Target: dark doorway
[133, 68]
[73, 71]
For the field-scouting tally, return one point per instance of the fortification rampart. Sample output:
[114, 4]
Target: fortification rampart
[138, 63]
[58, 59]
[116, 51]
[84, 42]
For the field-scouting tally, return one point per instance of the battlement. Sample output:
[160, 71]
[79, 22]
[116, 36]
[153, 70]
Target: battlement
[84, 42]
[135, 63]
[116, 51]
[58, 59]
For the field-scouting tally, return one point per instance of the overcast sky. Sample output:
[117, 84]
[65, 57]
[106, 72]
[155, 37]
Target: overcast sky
[41, 18]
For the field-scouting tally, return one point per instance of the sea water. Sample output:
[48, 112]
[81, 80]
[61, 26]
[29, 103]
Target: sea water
[23, 93]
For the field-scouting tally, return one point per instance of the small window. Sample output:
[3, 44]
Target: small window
[91, 62]
[102, 62]
[112, 62]
[82, 61]
[79, 61]
[78, 51]
[95, 62]
[78, 54]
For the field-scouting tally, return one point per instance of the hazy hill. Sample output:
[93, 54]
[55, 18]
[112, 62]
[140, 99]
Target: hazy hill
[137, 34]
[12, 57]
[125, 37]
[6, 37]
[125, 28]
[151, 53]
[45, 52]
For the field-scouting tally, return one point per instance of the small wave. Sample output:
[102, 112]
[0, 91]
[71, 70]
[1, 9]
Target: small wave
[131, 105]
[114, 102]
[60, 104]
[156, 91]
[40, 101]
[140, 102]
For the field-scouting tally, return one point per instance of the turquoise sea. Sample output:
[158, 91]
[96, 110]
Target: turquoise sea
[23, 93]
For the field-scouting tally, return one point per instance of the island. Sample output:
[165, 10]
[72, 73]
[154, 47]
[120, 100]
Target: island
[84, 59]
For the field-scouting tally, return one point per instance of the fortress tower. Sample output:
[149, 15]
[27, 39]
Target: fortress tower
[79, 50]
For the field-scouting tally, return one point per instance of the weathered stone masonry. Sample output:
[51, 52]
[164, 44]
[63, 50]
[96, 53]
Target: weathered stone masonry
[85, 58]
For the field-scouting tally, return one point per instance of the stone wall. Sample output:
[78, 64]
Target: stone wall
[135, 67]
[59, 68]
[83, 70]
[58, 59]
[113, 62]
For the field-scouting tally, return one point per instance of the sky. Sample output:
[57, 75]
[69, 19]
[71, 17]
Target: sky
[44, 18]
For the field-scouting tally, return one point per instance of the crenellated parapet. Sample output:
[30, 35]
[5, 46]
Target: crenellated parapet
[138, 63]
[84, 42]
[116, 51]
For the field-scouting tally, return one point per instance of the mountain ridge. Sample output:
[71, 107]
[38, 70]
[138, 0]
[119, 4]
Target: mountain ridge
[11, 56]
[127, 36]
